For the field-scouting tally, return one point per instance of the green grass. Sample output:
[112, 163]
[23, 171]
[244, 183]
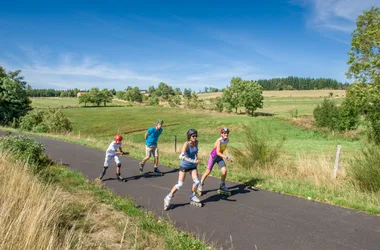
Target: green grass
[174, 239]
[95, 127]
[73, 214]
[58, 102]
[280, 106]
[132, 122]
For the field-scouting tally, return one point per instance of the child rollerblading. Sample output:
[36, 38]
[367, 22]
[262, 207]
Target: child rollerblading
[189, 163]
[151, 149]
[217, 156]
[113, 153]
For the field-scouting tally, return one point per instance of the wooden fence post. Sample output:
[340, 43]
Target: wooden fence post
[175, 144]
[336, 165]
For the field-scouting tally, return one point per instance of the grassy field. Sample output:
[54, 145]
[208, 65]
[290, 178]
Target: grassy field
[58, 102]
[283, 103]
[287, 93]
[307, 156]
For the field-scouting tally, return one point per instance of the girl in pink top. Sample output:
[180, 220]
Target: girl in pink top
[217, 156]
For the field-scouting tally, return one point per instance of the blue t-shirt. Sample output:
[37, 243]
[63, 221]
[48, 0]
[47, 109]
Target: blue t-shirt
[153, 134]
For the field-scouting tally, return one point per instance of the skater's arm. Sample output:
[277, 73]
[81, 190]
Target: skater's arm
[182, 155]
[121, 151]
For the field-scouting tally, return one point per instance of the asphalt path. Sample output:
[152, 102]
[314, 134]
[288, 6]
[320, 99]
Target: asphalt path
[248, 219]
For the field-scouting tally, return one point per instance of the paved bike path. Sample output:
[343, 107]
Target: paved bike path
[249, 219]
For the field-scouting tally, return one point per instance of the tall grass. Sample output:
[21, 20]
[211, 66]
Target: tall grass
[71, 213]
[30, 213]
[365, 169]
[257, 150]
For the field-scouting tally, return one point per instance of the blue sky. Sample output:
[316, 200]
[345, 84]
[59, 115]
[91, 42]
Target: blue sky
[187, 44]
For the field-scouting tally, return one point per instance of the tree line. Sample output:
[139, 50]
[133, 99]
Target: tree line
[300, 83]
[31, 92]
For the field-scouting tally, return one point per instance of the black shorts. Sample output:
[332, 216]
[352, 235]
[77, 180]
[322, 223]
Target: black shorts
[182, 169]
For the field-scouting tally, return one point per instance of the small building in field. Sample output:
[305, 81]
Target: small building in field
[145, 92]
[81, 93]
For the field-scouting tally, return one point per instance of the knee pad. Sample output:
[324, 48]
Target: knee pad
[119, 165]
[196, 182]
[179, 185]
[105, 167]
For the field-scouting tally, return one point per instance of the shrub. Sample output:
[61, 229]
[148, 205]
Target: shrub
[24, 149]
[219, 104]
[374, 127]
[365, 169]
[326, 114]
[174, 101]
[153, 101]
[45, 121]
[257, 151]
[349, 117]
[293, 113]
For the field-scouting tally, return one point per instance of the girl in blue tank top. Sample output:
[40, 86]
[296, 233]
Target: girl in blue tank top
[189, 163]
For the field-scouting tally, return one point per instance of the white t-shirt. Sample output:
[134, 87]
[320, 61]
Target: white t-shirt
[113, 148]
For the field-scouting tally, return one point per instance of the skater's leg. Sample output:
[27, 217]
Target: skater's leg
[148, 153]
[118, 164]
[205, 175]
[194, 175]
[105, 165]
[196, 182]
[155, 162]
[181, 180]
[103, 172]
[155, 155]
[176, 187]
[224, 174]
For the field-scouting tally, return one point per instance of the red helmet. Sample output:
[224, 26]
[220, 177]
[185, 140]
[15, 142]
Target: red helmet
[118, 137]
[224, 130]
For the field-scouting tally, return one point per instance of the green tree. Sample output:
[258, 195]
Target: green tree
[96, 96]
[231, 95]
[164, 91]
[364, 56]
[364, 67]
[84, 98]
[251, 97]
[136, 95]
[106, 96]
[187, 93]
[14, 101]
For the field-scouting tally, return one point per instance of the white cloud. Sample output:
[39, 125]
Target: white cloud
[71, 70]
[336, 15]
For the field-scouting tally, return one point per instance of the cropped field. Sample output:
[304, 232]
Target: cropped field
[283, 103]
[287, 93]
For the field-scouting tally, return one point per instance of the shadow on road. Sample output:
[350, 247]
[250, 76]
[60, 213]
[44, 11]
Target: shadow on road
[149, 174]
[237, 189]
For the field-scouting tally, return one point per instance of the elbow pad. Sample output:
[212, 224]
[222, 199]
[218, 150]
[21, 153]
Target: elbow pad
[181, 156]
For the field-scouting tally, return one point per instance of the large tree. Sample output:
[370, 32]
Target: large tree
[364, 56]
[231, 95]
[364, 63]
[251, 98]
[107, 96]
[14, 101]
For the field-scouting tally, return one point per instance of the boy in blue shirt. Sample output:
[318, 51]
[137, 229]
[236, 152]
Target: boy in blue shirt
[151, 137]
